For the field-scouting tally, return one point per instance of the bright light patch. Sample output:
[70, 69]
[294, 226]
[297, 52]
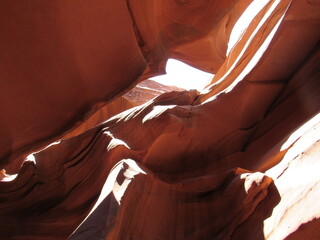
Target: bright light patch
[111, 185]
[244, 21]
[236, 35]
[31, 158]
[7, 177]
[156, 112]
[255, 59]
[300, 131]
[184, 76]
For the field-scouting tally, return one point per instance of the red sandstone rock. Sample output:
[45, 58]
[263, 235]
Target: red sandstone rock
[56, 68]
[140, 94]
[173, 167]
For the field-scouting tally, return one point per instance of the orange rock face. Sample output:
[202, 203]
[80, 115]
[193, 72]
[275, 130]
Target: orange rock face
[239, 160]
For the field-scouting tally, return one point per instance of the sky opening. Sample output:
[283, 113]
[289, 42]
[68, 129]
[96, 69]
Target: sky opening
[184, 76]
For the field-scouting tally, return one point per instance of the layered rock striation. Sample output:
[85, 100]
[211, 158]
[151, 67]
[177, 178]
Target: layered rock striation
[238, 160]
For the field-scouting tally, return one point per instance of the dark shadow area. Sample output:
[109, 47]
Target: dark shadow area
[307, 231]
[252, 228]
[99, 222]
[102, 219]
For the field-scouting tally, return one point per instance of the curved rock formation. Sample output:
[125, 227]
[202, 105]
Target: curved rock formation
[237, 161]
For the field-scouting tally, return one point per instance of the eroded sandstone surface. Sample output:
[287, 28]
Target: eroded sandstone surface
[89, 150]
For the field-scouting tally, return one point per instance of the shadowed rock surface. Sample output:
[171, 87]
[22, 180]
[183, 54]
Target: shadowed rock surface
[239, 160]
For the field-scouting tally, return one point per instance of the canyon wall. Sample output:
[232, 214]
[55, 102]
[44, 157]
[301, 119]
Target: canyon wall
[90, 150]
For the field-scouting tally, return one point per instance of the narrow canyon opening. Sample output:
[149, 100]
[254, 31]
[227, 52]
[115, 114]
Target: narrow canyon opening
[91, 147]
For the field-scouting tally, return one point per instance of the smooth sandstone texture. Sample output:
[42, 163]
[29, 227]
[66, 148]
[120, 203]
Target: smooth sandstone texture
[141, 93]
[64, 60]
[56, 66]
[240, 160]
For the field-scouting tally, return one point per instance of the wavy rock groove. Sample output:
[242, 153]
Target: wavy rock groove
[92, 148]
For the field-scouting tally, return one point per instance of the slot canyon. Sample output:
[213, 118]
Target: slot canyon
[92, 148]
